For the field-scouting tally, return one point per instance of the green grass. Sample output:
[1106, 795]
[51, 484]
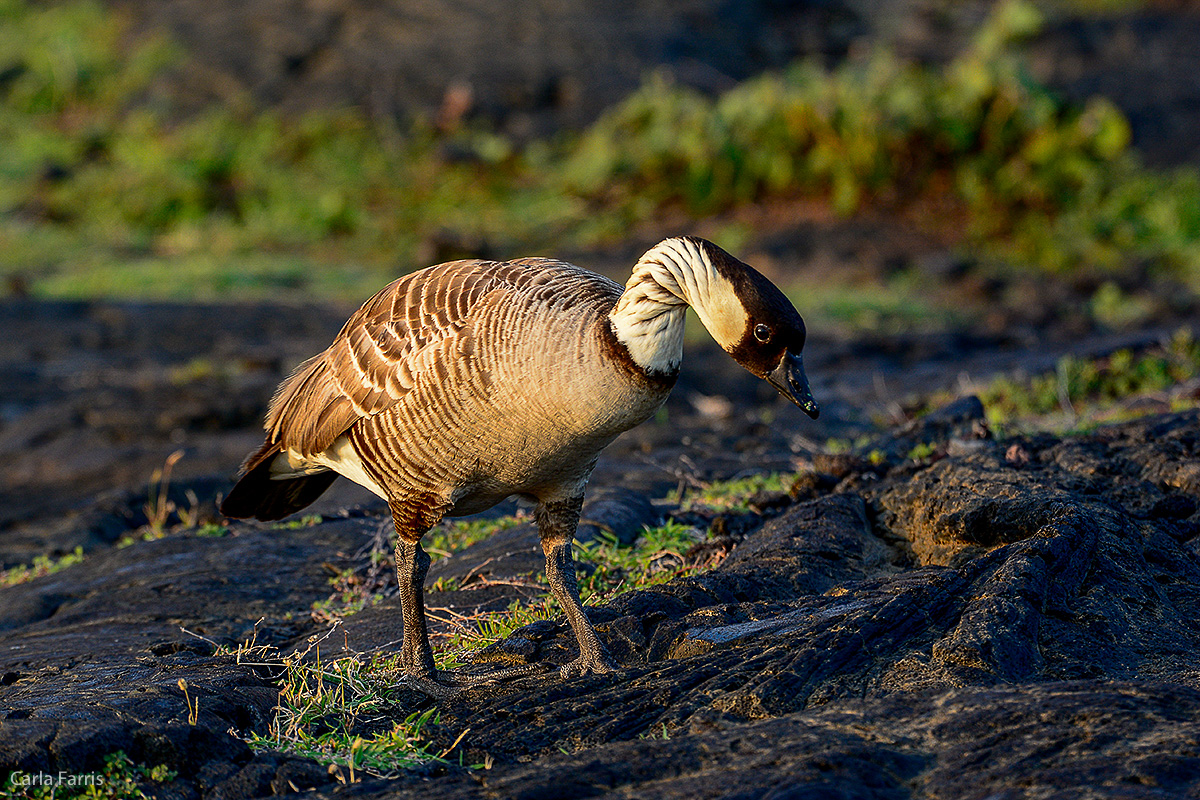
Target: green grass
[452, 536]
[658, 555]
[735, 495]
[904, 303]
[360, 586]
[306, 521]
[339, 713]
[41, 567]
[607, 568]
[189, 277]
[1082, 392]
[469, 635]
[921, 452]
[367, 583]
[352, 593]
[659, 734]
[108, 189]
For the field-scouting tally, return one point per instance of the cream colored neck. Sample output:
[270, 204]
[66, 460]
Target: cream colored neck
[648, 318]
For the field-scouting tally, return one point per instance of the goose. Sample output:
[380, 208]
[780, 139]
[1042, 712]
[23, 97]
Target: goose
[466, 383]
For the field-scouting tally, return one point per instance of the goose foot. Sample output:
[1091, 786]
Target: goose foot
[469, 677]
[594, 662]
[447, 683]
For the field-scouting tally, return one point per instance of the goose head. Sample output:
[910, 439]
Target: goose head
[754, 322]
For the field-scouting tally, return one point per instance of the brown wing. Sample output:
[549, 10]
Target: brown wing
[374, 360]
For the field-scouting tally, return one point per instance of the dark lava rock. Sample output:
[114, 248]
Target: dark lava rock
[93, 655]
[974, 626]
[617, 512]
[1052, 739]
[969, 604]
[97, 395]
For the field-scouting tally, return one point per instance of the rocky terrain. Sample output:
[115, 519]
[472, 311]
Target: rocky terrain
[1000, 619]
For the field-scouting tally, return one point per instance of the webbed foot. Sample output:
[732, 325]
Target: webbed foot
[596, 663]
[431, 687]
[446, 683]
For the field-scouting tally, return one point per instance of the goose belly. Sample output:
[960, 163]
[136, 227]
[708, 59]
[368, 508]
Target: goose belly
[525, 437]
[545, 443]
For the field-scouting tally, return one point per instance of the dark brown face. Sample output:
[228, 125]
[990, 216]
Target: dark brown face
[773, 327]
[774, 334]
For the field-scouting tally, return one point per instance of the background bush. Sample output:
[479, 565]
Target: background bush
[108, 187]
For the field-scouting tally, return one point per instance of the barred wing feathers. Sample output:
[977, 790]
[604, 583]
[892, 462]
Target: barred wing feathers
[414, 324]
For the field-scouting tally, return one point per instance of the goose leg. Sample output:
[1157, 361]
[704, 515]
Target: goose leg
[556, 521]
[416, 654]
[412, 519]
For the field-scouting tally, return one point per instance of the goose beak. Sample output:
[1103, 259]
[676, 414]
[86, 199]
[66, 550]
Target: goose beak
[792, 383]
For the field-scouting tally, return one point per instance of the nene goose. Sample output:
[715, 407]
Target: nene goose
[463, 384]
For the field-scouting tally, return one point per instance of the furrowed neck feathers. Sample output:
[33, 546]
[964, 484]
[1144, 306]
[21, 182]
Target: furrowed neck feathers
[674, 274]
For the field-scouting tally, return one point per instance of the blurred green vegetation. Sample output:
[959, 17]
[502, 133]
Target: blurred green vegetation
[108, 188]
[1082, 392]
[42, 565]
[1034, 180]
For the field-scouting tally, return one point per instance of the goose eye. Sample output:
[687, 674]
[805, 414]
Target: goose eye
[762, 333]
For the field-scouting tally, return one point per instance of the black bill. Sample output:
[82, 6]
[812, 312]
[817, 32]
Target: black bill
[792, 383]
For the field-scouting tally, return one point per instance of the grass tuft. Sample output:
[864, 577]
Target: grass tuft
[1081, 392]
[340, 713]
[736, 494]
[657, 556]
[41, 567]
[336, 713]
[469, 634]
